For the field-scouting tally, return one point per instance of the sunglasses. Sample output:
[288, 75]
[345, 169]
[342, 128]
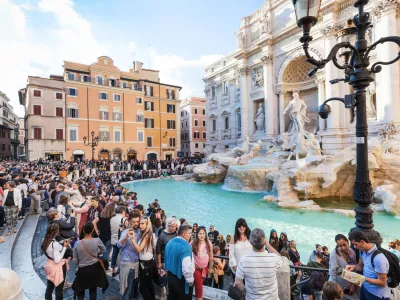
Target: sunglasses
[241, 225]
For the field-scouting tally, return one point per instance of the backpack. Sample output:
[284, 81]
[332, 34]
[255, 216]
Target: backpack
[393, 276]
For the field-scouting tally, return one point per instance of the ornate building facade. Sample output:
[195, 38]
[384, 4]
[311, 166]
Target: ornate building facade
[248, 90]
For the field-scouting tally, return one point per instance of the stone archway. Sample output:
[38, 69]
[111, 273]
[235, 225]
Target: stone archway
[104, 154]
[117, 154]
[131, 154]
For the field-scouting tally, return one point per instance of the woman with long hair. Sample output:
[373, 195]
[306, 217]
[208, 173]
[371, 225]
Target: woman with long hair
[145, 248]
[240, 244]
[102, 227]
[342, 256]
[283, 242]
[56, 266]
[273, 240]
[294, 255]
[221, 243]
[66, 227]
[91, 273]
[203, 259]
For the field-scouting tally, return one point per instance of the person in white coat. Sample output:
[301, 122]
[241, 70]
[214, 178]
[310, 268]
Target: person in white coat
[12, 200]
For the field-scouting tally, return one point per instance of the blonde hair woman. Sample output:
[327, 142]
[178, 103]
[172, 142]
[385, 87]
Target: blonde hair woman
[145, 248]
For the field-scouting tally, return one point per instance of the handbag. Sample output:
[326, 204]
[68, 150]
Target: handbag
[235, 293]
[103, 262]
[161, 278]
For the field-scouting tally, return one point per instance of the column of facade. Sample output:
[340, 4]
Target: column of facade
[269, 104]
[331, 72]
[281, 94]
[244, 100]
[387, 87]
[320, 81]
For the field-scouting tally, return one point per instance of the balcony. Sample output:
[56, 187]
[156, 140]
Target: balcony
[106, 82]
[225, 99]
[213, 103]
[226, 134]
[213, 135]
[166, 147]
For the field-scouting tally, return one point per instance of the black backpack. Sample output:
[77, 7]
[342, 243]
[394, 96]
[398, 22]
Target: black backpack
[393, 276]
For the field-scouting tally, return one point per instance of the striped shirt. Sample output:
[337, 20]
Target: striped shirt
[259, 269]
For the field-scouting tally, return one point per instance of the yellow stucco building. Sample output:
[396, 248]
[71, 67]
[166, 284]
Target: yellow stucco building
[133, 113]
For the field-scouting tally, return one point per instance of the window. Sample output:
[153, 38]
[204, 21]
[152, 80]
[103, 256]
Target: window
[170, 124]
[196, 122]
[140, 118]
[124, 84]
[37, 133]
[3, 147]
[59, 134]
[112, 82]
[37, 110]
[117, 136]
[104, 135]
[104, 115]
[72, 113]
[195, 111]
[99, 80]
[204, 135]
[213, 92]
[5, 113]
[149, 141]
[181, 124]
[172, 142]
[196, 145]
[239, 120]
[117, 97]
[186, 136]
[225, 87]
[37, 93]
[149, 106]
[214, 125]
[148, 90]
[73, 133]
[117, 116]
[71, 76]
[103, 96]
[140, 136]
[226, 123]
[170, 108]
[204, 112]
[170, 94]
[148, 123]
[86, 78]
[196, 135]
[59, 96]
[139, 100]
[181, 113]
[204, 123]
[72, 92]
[59, 112]
[186, 124]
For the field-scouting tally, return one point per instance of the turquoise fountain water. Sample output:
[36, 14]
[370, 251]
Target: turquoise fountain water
[209, 204]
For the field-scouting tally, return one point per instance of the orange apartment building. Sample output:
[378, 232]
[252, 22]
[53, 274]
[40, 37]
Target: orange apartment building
[134, 115]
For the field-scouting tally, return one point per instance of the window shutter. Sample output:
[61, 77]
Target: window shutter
[108, 135]
[68, 112]
[152, 123]
[151, 91]
[76, 113]
[173, 106]
[101, 115]
[106, 115]
[152, 106]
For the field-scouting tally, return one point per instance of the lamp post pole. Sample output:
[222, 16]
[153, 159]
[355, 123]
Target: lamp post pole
[359, 76]
[93, 143]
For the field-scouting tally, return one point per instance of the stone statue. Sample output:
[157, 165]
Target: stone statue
[313, 145]
[240, 39]
[265, 22]
[258, 78]
[245, 149]
[297, 109]
[259, 118]
[256, 148]
[371, 110]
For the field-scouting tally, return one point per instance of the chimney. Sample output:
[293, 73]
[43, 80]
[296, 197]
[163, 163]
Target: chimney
[137, 66]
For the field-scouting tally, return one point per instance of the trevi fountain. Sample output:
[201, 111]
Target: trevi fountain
[291, 170]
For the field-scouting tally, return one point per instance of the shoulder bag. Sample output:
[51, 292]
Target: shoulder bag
[103, 262]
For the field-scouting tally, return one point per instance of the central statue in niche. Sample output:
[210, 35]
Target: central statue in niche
[297, 110]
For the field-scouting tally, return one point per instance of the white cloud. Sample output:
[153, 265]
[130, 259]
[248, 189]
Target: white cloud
[187, 73]
[26, 50]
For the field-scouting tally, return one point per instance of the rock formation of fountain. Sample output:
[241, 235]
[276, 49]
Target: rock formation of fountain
[296, 169]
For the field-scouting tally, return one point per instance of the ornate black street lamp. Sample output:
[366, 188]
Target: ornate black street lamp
[93, 144]
[357, 74]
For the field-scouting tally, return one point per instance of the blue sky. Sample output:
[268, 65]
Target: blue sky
[177, 37]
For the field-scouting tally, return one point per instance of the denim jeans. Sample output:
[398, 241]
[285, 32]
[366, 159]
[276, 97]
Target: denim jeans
[365, 295]
[114, 257]
[108, 246]
[130, 290]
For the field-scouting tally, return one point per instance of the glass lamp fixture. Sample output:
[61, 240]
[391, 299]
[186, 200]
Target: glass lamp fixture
[347, 34]
[306, 13]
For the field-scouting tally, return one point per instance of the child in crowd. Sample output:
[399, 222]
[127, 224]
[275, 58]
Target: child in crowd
[332, 291]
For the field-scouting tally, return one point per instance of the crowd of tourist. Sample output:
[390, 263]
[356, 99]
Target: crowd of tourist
[102, 228]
